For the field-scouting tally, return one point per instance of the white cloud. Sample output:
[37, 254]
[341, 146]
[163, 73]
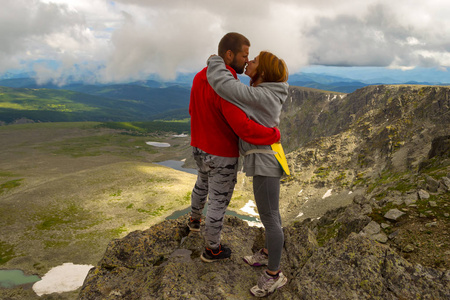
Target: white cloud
[134, 38]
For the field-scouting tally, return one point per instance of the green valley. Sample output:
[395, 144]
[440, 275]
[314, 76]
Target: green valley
[99, 103]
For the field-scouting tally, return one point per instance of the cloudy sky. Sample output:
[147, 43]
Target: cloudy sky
[131, 39]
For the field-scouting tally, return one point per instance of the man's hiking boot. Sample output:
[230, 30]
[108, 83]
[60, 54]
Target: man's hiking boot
[194, 224]
[268, 284]
[210, 255]
[258, 259]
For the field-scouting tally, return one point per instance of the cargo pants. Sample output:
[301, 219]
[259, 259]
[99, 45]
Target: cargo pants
[215, 183]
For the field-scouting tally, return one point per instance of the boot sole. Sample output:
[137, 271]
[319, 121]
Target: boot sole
[194, 229]
[208, 260]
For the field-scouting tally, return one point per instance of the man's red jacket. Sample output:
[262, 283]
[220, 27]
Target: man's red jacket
[217, 125]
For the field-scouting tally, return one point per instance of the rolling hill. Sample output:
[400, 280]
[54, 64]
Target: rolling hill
[92, 103]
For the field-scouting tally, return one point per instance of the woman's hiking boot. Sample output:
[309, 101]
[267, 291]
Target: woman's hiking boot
[258, 259]
[268, 284]
[212, 255]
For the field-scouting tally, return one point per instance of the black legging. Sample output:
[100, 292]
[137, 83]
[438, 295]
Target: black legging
[267, 198]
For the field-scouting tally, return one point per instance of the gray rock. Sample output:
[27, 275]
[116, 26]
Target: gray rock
[409, 202]
[431, 224]
[385, 225]
[445, 183]
[422, 184]
[398, 201]
[352, 270]
[423, 194]
[410, 198]
[393, 214]
[432, 184]
[366, 209]
[408, 248]
[359, 199]
[380, 237]
[372, 228]
[394, 235]
[163, 263]
[182, 253]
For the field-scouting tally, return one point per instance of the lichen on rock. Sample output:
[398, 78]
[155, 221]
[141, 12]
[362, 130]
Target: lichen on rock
[163, 262]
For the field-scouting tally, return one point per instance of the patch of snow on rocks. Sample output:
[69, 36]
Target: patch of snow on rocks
[158, 144]
[249, 208]
[327, 194]
[65, 278]
[254, 224]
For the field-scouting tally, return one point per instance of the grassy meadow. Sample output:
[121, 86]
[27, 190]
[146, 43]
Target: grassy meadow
[90, 103]
[67, 189]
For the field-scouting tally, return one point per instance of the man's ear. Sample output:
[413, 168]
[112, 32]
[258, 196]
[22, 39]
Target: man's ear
[229, 56]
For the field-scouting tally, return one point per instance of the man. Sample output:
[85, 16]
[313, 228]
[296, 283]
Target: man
[216, 126]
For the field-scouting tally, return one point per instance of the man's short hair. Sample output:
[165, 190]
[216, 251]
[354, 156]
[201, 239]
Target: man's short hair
[232, 41]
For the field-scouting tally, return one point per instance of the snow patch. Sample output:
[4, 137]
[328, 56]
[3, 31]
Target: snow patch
[254, 223]
[249, 208]
[158, 144]
[327, 194]
[65, 278]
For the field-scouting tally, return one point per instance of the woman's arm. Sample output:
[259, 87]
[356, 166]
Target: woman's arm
[232, 90]
[261, 103]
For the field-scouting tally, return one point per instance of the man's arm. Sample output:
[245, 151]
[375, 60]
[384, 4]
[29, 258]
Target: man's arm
[248, 130]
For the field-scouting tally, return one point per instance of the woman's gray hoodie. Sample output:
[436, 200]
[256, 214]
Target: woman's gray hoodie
[261, 103]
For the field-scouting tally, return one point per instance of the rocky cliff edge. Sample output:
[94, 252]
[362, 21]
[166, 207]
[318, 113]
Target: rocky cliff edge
[163, 262]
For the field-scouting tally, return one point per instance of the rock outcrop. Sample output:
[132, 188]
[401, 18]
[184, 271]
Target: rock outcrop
[163, 263]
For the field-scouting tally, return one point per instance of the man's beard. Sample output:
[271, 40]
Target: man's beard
[238, 69]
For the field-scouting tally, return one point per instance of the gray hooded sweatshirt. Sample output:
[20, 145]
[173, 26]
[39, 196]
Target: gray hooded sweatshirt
[261, 103]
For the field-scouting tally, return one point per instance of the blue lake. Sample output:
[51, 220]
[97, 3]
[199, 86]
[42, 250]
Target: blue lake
[182, 212]
[177, 165]
[12, 278]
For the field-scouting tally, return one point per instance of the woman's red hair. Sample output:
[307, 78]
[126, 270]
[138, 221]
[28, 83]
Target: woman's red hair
[271, 68]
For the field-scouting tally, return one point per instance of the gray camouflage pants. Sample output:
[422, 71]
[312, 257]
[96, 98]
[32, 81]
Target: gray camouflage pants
[215, 182]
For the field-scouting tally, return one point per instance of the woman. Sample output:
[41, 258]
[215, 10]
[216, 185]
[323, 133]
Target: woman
[262, 102]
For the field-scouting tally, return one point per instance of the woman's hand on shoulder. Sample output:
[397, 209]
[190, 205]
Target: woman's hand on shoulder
[212, 55]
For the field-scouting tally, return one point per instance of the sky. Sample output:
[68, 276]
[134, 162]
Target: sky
[122, 40]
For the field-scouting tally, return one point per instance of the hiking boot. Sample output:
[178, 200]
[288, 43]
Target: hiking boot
[210, 255]
[194, 224]
[268, 284]
[258, 259]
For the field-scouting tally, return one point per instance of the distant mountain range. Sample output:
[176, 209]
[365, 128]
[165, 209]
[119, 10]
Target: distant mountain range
[321, 81]
[145, 100]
